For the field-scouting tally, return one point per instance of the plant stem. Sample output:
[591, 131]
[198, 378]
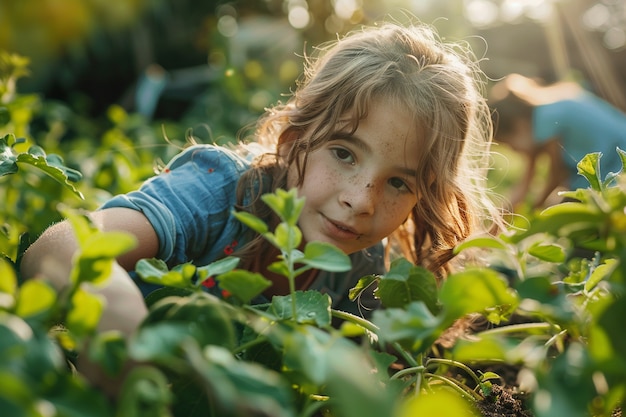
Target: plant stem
[408, 371]
[366, 324]
[460, 365]
[456, 385]
[514, 328]
[258, 340]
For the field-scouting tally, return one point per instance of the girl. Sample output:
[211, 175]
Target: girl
[386, 136]
[561, 120]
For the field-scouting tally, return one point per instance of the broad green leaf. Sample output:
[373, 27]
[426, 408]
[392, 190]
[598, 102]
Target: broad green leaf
[85, 312]
[405, 283]
[438, 402]
[415, 326]
[476, 291]
[611, 322]
[108, 349]
[251, 221]
[324, 256]
[286, 204]
[35, 297]
[107, 245]
[58, 174]
[287, 237]
[589, 167]
[481, 349]
[312, 307]
[307, 351]
[480, 242]
[5, 116]
[612, 175]
[216, 268]
[94, 270]
[8, 278]
[601, 273]
[239, 385]
[159, 342]
[561, 220]
[243, 285]
[155, 271]
[547, 252]
[81, 224]
[361, 285]
[206, 319]
[566, 388]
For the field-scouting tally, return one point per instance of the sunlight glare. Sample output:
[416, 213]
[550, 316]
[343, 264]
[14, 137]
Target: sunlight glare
[597, 17]
[481, 12]
[346, 8]
[299, 17]
[511, 10]
[614, 38]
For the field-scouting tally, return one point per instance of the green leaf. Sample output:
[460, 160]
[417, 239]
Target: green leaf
[438, 402]
[35, 297]
[5, 116]
[243, 285]
[361, 285]
[589, 167]
[240, 388]
[476, 291]
[601, 272]
[108, 349]
[612, 175]
[8, 278]
[206, 318]
[325, 256]
[562, 220]
[405, 283]
[8, 160]
[312, 307]
[107, 245]
[58, 174]
[547, 252]
[81, 224]
[415, 326]
[287, 237]
[84, 314]
[480, 242]
[286, 204]
[158, 342]
[155, 271]
[251, 221]
[216, 268]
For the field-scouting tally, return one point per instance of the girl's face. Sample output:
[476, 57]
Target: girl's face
[360, 187]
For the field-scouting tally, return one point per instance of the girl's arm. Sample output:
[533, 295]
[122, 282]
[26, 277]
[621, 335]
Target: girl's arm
[521, 190]
[50, 258]
[557, 172]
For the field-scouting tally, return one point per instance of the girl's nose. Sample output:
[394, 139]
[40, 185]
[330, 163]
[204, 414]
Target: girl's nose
[361, 197]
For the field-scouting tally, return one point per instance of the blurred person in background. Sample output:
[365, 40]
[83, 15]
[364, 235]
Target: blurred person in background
[562, 121]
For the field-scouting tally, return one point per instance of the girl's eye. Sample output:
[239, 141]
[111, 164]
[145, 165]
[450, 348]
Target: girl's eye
[399, 184]
[343, 155]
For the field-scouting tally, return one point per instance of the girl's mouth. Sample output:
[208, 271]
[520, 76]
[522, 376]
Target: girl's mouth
[339, 231]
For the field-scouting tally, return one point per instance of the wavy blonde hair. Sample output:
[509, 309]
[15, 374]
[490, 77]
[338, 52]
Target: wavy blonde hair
[441, 83]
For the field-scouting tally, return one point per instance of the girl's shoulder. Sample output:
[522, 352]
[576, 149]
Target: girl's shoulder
[210, 158]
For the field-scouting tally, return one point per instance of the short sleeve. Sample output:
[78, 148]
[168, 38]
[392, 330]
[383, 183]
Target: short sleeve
[190, 204]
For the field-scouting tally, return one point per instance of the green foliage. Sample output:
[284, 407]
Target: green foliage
[553, 296]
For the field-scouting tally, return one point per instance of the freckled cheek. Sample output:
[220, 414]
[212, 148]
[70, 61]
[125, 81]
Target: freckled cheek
[396, 212]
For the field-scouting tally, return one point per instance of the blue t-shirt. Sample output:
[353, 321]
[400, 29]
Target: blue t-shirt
[583, 125]
[190, 205]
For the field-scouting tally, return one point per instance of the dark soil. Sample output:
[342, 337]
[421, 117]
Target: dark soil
[503, 402]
